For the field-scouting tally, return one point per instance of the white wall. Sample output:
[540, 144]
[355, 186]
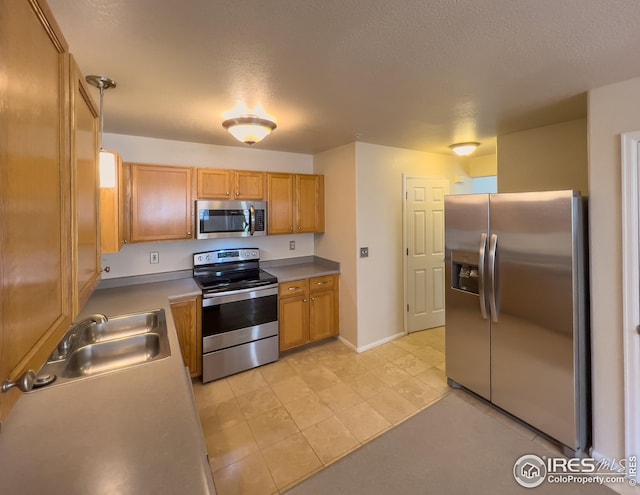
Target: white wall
[379, 185]
[338, 243]
[613, 110]
[176, 255]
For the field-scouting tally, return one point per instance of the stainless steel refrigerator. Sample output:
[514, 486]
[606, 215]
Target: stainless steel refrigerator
[516, 311]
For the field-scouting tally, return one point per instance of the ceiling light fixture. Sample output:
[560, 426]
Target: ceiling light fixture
[249, 129]
[464, 149]
[107, 158]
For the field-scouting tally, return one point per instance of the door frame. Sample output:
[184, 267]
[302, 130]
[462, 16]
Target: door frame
[405, 275]
[630, 142]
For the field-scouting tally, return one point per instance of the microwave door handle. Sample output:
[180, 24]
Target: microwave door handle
[252, 220]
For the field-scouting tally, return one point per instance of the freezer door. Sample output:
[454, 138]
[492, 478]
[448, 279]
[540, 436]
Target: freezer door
[467, 328]
[534, 259]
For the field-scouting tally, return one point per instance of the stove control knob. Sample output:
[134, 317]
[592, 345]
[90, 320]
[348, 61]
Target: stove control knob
[208, 258]
[254, 253]
[199, 258]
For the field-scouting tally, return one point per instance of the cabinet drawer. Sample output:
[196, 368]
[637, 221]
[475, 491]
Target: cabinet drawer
[323, 283]
[294, 288]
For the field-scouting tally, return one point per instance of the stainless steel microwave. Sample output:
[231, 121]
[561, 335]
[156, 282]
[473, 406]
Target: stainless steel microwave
[231, 219]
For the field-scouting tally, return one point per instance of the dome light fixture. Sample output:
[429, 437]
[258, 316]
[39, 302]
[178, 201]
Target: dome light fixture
[250, 128]
[464, 149]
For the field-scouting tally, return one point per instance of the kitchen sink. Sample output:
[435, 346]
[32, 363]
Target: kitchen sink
[99, 345]
[109, 355]
[117, 327]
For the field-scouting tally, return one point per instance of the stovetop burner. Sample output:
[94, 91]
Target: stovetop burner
[229, 269]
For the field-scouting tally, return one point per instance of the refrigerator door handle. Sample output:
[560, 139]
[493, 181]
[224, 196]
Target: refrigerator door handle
[493, 246]
[481, 263]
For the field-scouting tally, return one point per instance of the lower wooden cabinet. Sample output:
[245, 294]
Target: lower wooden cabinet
[186, 316]
[308, 310]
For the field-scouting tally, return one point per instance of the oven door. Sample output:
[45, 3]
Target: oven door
[237, 317]
[231, 219]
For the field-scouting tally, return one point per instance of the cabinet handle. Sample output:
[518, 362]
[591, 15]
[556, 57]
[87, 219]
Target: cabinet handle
[294, 288]
[188, 233]
[322, 283]
[124, 241]
[304, 300]
[313, 299]
[291, 229]
[237, 194]
[299, 228]
[228, 194]
[24, 383]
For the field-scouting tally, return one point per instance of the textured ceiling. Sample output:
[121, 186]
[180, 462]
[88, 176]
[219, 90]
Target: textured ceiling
[417, 74]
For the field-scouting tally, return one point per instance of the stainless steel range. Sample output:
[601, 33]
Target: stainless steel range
[239, 311]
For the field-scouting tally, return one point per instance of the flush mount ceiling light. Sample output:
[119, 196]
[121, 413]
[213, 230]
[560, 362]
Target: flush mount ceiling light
[464, 149]
[249, 129]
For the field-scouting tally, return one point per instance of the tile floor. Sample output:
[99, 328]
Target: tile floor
[269, 428]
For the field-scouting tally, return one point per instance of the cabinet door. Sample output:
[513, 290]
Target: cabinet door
[321, 315]
[187, 320]
[35, 238]
[280, 203]
[309, 203]
[215, 183]
[85, 191]
[294, 321]
[249, 185]
[112, 218]
[161, 204]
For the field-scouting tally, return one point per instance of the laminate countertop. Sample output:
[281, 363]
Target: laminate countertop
[129, 432]
[300, 268]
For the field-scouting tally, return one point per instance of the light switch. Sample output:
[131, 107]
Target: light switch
[364, 252]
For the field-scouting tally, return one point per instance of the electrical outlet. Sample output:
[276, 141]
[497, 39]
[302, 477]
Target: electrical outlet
[292, 245]
[154, 257]
[364, 252]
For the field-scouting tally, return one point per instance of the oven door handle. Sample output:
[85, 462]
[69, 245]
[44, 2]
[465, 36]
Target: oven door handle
[252, 220]
[239, 295]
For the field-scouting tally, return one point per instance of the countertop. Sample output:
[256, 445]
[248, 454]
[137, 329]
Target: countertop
[300, 268]
[131, 431]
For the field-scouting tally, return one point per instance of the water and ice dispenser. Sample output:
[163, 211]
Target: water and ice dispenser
[464, 271]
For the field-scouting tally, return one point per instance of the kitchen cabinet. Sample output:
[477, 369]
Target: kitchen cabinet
[161, 202]
[296, 203]
[35, 191]
[113, 221]
[85, 199]
[230, 184]
[308, 310]
[186, 316]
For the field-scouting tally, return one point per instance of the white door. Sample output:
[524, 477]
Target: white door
[631, 291]
[424, 251]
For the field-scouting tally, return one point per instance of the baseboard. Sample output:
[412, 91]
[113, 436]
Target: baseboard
[373, 344]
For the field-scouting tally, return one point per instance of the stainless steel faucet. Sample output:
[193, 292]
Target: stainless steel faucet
[69, 341]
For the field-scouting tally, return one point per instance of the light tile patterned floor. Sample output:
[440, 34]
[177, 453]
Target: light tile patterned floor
[268, 428]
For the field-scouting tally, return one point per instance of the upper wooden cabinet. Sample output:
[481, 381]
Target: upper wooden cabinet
[230, 184]
[113, 221]
[35, 185]
[309, 191]
[161, 202]
[85, 196]
[296, 203]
